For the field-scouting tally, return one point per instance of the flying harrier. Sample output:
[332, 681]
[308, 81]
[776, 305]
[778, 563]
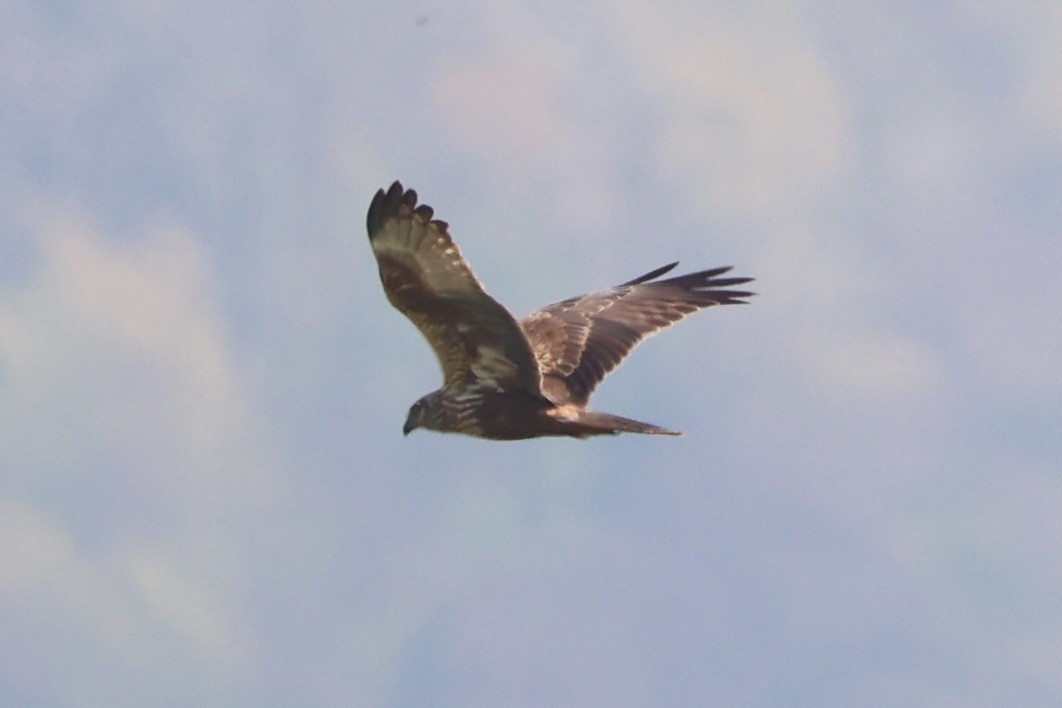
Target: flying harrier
[509, 379]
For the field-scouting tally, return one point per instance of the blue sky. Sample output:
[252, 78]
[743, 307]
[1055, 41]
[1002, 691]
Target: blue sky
[204, 490]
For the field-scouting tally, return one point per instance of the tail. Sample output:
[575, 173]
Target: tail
[608, 424]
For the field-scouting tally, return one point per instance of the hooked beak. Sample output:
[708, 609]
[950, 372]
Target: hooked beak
[407, 428]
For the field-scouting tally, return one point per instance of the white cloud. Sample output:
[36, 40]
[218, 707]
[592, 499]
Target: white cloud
[147, 537]
[34, 555]
[1032, 30]
[187, 606]
[752, 116]
[502, 98]
[132, 446]
[505, 105]
[111, 623]
[871, 368]
[1043, 93]
[119, 353]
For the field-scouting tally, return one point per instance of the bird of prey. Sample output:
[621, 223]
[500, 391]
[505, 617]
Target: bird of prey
[509, 379]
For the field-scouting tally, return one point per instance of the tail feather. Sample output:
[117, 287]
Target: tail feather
[608, 424]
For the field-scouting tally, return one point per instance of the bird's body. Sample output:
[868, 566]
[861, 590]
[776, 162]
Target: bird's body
[505, 379]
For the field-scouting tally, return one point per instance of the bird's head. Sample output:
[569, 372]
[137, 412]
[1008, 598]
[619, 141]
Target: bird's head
[423, 414]
[414, 419]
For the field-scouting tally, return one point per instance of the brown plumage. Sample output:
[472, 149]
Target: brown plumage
[505, 379]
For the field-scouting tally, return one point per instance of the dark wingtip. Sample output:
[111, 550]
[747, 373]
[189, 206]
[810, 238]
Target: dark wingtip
[651, 274]
[708, 285]
[398, 201]
[701, 280]
[384, 204]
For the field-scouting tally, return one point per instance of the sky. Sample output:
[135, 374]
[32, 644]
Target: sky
[205, 495]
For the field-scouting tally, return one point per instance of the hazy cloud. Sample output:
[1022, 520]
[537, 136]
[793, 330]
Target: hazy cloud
[206, 493]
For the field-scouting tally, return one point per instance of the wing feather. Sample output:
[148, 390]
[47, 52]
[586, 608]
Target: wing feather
[579, 341]
[476, 340]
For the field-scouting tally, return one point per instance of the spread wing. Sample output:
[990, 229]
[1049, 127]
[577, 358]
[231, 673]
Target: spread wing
[578, 341]
[476, 340]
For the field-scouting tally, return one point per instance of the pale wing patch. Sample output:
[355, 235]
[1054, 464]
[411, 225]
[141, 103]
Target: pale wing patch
[567, 413]
[490, 366]
[429, 252]
[425, 277]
